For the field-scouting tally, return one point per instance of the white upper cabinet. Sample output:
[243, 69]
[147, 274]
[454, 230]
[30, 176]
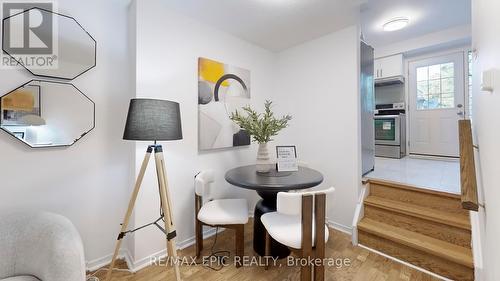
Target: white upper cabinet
[388, 67]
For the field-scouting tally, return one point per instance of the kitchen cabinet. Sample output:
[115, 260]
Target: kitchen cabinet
[387, 67]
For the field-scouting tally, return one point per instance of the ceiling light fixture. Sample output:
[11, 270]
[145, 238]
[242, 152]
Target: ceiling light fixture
[396, 24]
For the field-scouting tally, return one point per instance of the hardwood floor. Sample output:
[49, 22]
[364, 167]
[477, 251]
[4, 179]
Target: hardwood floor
[363, 265]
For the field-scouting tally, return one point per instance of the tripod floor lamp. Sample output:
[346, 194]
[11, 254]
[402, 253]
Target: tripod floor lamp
[152, 120]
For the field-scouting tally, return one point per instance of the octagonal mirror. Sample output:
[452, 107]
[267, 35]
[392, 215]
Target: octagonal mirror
[57, 45]
[47, 114]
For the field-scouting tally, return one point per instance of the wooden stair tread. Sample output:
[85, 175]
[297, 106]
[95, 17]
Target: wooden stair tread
[436, 247]
[408, 187]
[410, 209]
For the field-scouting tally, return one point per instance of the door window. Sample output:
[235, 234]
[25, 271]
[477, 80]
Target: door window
[436, 86]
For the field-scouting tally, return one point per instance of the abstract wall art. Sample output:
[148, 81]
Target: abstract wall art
[222, 89]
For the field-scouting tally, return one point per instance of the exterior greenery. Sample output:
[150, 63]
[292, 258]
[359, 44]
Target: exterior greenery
[261, 126]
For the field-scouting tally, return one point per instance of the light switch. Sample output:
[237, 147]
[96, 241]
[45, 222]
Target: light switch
[488, 78]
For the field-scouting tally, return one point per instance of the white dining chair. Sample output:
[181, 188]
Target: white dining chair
[226, 213]
[300, 224]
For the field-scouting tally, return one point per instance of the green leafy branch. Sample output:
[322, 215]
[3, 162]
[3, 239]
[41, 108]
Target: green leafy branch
[261, 126]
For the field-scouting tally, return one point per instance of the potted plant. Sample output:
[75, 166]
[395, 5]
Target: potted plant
[262, 127]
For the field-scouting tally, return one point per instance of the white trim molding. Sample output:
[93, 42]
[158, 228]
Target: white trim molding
[96, 264]
[340, 227]
[359, 212]
[146, 261]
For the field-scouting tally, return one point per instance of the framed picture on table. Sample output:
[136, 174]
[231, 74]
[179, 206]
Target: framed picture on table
[286, 158]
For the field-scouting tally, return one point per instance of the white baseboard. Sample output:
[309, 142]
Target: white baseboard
[432, 157]
[405, 263]
[135, 266]
[94, 265]
[145, 262]
[340, 227]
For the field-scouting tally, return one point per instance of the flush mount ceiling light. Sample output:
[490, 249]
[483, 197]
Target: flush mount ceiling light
[396, 24]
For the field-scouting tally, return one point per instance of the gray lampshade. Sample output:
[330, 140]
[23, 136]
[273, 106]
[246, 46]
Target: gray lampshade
[153, 120]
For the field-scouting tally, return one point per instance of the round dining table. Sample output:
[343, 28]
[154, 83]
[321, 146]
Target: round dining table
[267, 185]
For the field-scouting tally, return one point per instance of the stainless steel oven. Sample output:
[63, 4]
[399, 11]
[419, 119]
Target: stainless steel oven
[390, 136]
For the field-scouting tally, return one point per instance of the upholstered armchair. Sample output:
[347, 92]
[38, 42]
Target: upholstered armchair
[39, 246]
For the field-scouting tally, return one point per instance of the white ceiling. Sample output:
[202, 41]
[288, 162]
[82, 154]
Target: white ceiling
[272, 24]
[426, 16]
[279, 24]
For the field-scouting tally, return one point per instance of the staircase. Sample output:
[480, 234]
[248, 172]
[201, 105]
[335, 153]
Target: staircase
[426, 228]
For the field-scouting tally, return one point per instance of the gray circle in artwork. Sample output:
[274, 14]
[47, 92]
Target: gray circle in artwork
[204, 92]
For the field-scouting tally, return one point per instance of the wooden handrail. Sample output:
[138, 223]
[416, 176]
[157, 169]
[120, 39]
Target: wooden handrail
[468, 180]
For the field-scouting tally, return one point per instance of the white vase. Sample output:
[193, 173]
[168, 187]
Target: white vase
[264, 164]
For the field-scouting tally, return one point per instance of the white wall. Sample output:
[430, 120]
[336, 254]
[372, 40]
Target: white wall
[129, 244]
[486, 121]
[168, 47]
[90, 181]
[318, 85]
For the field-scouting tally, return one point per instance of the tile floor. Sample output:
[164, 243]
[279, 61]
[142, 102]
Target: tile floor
[437, 175]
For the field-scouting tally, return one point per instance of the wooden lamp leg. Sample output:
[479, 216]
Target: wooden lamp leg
[129, 210]
[166, 205]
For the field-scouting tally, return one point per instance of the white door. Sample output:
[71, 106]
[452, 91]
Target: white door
[436, 104]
